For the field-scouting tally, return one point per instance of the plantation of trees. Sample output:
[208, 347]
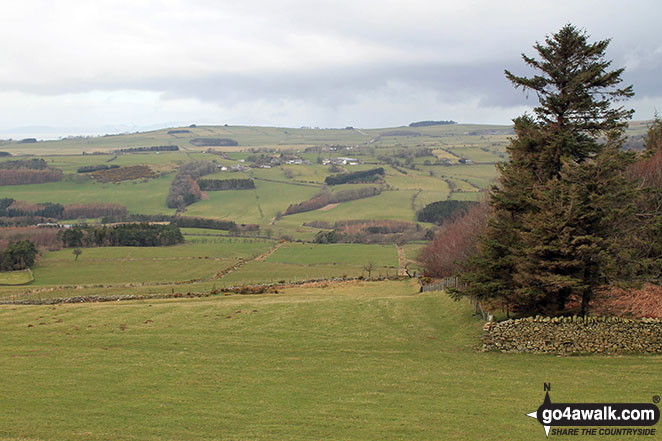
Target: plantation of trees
[225, 184]
[439, 212]
[9, 208]
[357, 177]
[128, 235]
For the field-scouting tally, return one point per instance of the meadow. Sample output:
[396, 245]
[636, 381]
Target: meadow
[357, 360]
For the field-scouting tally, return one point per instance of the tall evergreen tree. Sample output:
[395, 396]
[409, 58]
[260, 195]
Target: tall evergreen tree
[544, 240]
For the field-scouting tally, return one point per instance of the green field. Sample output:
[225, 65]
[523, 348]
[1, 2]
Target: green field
[15, 277]
[356, 361]
[201, 257]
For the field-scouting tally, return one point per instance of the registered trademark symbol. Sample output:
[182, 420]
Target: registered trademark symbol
[656, 398]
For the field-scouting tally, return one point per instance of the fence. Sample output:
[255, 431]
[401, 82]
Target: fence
[448, 282]
[454, 282]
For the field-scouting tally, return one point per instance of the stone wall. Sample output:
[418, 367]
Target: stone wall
[568, 335]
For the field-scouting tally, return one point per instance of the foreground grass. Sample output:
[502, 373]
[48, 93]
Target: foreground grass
[358, 361]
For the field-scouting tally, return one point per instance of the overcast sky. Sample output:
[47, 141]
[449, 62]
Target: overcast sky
[96, 66]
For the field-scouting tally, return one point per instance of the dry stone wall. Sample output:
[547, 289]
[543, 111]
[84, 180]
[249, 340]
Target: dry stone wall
[568, 335]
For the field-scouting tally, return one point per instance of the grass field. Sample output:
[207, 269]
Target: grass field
[356, 361]
[15, 277]
[143, 197]
[199, 258]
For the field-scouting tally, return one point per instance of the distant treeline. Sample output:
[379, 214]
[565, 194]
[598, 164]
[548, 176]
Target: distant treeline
[93, 168]
[184, 189]
[127, 235]
[198, 222]
[431, 123]
[28, 141]
[225, 184]
[180, 221]
[355, 177]
[27, 171]
[203, 142]
[156, 148]
[4, 154]
[9, 208]
[438, 212]
[29, 176]
[176, 131]
[32, 164]
[40, 237]
[327, 198]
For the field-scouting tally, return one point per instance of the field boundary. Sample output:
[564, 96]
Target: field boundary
[266, 288]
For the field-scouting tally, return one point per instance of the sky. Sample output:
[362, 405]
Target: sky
[82, 67]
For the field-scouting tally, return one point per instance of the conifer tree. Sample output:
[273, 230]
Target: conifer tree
[547, 240]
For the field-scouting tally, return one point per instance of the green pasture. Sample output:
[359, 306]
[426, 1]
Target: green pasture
[387, 205]
[251, 206]
[359, 361]
[336, 253]
[272, 272]
[108, 265]
[140, 196]
[15, 277]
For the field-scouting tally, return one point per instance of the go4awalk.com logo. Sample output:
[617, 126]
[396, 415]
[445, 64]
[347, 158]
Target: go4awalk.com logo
[599, 419]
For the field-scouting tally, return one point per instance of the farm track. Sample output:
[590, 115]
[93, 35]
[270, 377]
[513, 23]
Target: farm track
[242, 262]
[402, 261]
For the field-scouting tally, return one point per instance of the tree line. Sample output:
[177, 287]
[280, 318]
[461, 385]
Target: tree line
[225, 184]
[128, 235]
[11, 208]
[438, 212]
[356, 177]
[156, 148]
